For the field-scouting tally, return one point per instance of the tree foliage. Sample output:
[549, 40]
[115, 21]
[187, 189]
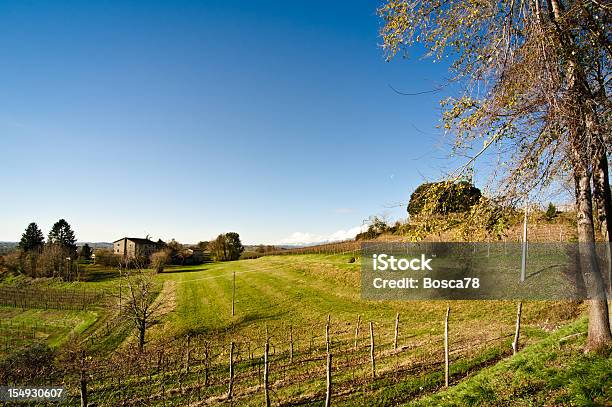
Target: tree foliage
[551, 211]
[443, 197]
[61, 234]
[376, 227]
[30, 363]
[534, 80]
[32, 239]
[226, 247]
[86, 252]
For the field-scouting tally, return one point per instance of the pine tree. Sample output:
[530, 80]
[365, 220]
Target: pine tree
[86, 252]
[551, 211]
[32, 239]
[61, 234]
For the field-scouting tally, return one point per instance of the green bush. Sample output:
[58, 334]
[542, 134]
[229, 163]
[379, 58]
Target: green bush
[551, 212]
[443, 197]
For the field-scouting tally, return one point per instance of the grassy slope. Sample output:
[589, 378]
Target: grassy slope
[18, 326]
[54, 326]
[302, 290]
[307, 288]
[551, 372]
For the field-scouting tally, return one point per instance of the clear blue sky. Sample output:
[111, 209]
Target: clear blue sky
[187, 119]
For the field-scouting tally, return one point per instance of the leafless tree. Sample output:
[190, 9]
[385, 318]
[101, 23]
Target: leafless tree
[139, 303]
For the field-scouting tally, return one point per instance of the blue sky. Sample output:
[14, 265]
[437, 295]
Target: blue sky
[187, 119]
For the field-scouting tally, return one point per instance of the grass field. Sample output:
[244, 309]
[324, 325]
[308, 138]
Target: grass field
[302, 290]
[293, 296]
[20, 326]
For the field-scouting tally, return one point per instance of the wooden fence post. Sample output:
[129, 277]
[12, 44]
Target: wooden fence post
[206, 362]
[188, 362]
[290, 344]
[396, 331]
[515, 343]
[83, 381]
[357, 330]
[329, 380]
[266, 369]
[327, 339]
[446, 366]
[231, 371]
[372, 350]
[233, 294]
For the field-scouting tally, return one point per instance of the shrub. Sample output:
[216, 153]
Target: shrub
[443, 197]
[377, 227]
[159, 260]
[107, 258]
[53, 262]
[250, 255]
[12, 262]
[28, 364]
[551, 212]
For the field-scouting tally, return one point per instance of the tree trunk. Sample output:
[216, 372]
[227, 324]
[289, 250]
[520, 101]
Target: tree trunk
[372, 350]
[584, 133]
[83, 381]
[446, 354]
[602, 200]
[601, 193]
[83, 386]
[599, 323]
[141, 336]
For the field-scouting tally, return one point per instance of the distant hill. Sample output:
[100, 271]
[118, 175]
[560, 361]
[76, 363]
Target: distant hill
[7, 247]
[97, 245]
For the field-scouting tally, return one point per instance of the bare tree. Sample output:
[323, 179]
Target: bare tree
[139, 303]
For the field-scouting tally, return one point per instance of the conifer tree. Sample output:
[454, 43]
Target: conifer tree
[32, 239]
[61, 234]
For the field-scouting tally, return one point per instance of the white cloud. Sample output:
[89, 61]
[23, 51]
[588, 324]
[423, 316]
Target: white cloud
[302, 238]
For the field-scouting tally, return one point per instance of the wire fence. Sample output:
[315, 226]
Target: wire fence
[48, 297]
[195, 369]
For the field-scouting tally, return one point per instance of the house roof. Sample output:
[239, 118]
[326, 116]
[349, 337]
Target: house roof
[137, 240]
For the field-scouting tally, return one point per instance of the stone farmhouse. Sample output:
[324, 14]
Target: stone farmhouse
[131, 247]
